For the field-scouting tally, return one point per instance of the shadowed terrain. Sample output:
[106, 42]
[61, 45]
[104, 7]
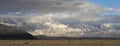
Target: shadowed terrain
[8, 32]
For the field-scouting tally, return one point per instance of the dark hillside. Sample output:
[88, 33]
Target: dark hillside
[7, 32]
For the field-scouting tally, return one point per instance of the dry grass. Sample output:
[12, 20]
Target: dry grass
[59, 42]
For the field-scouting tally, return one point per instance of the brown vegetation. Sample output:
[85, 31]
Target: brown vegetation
[59, 42]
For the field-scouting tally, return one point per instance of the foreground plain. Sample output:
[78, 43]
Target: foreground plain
[59, 42]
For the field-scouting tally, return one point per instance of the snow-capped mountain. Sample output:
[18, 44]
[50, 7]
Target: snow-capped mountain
[59, 25]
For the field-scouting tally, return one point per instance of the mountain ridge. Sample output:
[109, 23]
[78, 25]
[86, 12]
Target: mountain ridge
[8, 32]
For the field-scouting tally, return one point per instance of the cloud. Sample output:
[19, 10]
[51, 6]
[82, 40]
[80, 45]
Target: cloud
[46, 6]
[61, 17]
[36, 5]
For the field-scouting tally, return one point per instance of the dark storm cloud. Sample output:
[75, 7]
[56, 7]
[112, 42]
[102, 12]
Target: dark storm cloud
[35, 5]
[45, 6]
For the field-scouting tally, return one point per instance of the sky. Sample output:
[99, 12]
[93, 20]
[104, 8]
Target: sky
[62, 17]
[107, 3]
[46, 6]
